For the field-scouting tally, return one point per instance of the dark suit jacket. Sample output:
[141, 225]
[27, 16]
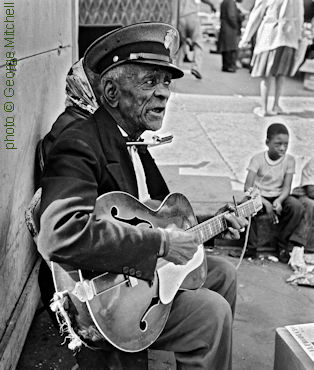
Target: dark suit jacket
[88, 159]
[230, 26]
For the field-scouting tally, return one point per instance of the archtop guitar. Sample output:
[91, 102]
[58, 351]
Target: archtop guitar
[125, 311]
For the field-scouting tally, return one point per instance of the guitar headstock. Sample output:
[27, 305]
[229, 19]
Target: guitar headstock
[255, 196]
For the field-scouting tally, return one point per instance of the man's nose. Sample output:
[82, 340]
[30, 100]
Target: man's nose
[162, 90]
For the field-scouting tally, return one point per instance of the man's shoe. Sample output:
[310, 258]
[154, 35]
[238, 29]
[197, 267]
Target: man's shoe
[231, 70]
[196, 73]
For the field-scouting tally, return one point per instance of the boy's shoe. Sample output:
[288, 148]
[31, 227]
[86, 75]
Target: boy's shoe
[283, 255]
[249, 253]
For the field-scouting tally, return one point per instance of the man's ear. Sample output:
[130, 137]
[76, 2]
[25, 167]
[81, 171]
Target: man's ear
[111, 93]
[267, 142]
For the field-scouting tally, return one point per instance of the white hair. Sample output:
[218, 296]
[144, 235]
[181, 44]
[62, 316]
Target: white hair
[117, 72]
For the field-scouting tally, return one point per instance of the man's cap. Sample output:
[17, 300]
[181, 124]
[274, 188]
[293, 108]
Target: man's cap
[152, 43]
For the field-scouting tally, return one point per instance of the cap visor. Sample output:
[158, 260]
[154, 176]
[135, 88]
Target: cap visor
[175, 71]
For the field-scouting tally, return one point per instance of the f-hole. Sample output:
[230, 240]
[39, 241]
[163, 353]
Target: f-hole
[154, 302]
[134, 221]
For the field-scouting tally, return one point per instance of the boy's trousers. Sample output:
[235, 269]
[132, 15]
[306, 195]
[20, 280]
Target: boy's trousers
[292, 213]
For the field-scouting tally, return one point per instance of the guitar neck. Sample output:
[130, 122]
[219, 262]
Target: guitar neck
[216, 225]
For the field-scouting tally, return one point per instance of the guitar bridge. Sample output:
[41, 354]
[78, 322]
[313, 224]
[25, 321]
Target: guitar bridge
[83, 291]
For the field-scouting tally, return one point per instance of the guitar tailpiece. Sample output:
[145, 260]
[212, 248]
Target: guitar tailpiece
[59, 300]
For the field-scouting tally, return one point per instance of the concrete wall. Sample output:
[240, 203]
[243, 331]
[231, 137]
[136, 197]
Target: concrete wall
[42, 36]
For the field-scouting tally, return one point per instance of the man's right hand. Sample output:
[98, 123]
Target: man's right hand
[182, 245]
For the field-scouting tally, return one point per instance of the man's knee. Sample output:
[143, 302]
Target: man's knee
[307, 202]
[294, 206]
[215, 318]
[214, 311]
[229, 271]
[221, 270]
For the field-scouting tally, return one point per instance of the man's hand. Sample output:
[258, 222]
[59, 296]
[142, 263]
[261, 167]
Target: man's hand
[182, 245]
[237, 225]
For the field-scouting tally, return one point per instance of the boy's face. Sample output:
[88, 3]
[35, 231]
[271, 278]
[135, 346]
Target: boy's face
[277, 146]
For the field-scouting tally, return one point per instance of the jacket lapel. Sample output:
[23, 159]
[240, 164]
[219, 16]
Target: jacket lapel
[113, 144]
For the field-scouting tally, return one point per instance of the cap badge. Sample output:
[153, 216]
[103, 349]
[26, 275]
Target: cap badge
[169, 39]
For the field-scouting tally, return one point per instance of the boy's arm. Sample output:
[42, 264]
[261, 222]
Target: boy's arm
[286, 189]
[309, 189]
[250, 180]
[307, 180]
[249, 183]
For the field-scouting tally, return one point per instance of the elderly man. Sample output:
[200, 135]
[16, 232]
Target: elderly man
[90, 157]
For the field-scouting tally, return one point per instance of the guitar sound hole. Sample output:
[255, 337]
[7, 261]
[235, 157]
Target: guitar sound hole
[154, 302]
[134, 221]
[143, 325]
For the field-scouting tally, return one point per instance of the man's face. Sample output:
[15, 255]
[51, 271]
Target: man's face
[144, 92]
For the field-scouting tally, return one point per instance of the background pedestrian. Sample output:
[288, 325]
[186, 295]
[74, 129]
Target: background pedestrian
[279, 26]
[230, 30]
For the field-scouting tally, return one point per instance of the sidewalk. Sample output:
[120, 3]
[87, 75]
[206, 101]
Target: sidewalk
[214, 136]
[215, 133]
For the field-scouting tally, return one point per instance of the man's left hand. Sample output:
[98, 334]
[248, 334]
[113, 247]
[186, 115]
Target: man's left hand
[237, 225]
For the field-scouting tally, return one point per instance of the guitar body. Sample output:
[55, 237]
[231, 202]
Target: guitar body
[128, 312]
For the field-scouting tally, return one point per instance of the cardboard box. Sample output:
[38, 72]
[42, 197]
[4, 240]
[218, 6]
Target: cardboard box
[289, 355]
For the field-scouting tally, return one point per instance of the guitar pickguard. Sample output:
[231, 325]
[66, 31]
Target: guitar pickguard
[134, 221]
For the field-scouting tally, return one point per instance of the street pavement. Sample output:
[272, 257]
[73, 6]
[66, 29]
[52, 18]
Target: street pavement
[215, 134]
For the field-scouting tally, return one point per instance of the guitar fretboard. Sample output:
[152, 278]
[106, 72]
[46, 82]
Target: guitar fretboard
[216, 225]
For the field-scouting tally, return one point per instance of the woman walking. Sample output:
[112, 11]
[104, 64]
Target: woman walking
[278, 24]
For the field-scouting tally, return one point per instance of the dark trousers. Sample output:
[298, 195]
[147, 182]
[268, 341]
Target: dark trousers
[304, 232]
[292, 213]
[229, 59]
[199, 328]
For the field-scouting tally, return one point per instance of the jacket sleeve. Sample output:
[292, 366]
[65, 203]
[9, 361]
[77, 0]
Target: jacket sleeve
[255, 19]
[69, 231]
[232, 15]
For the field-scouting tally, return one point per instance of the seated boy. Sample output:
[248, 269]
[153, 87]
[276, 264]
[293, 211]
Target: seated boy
[272, 171]
[305, 193]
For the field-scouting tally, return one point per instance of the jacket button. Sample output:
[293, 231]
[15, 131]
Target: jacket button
[132, 271]
[138, 274]
[125, 270]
